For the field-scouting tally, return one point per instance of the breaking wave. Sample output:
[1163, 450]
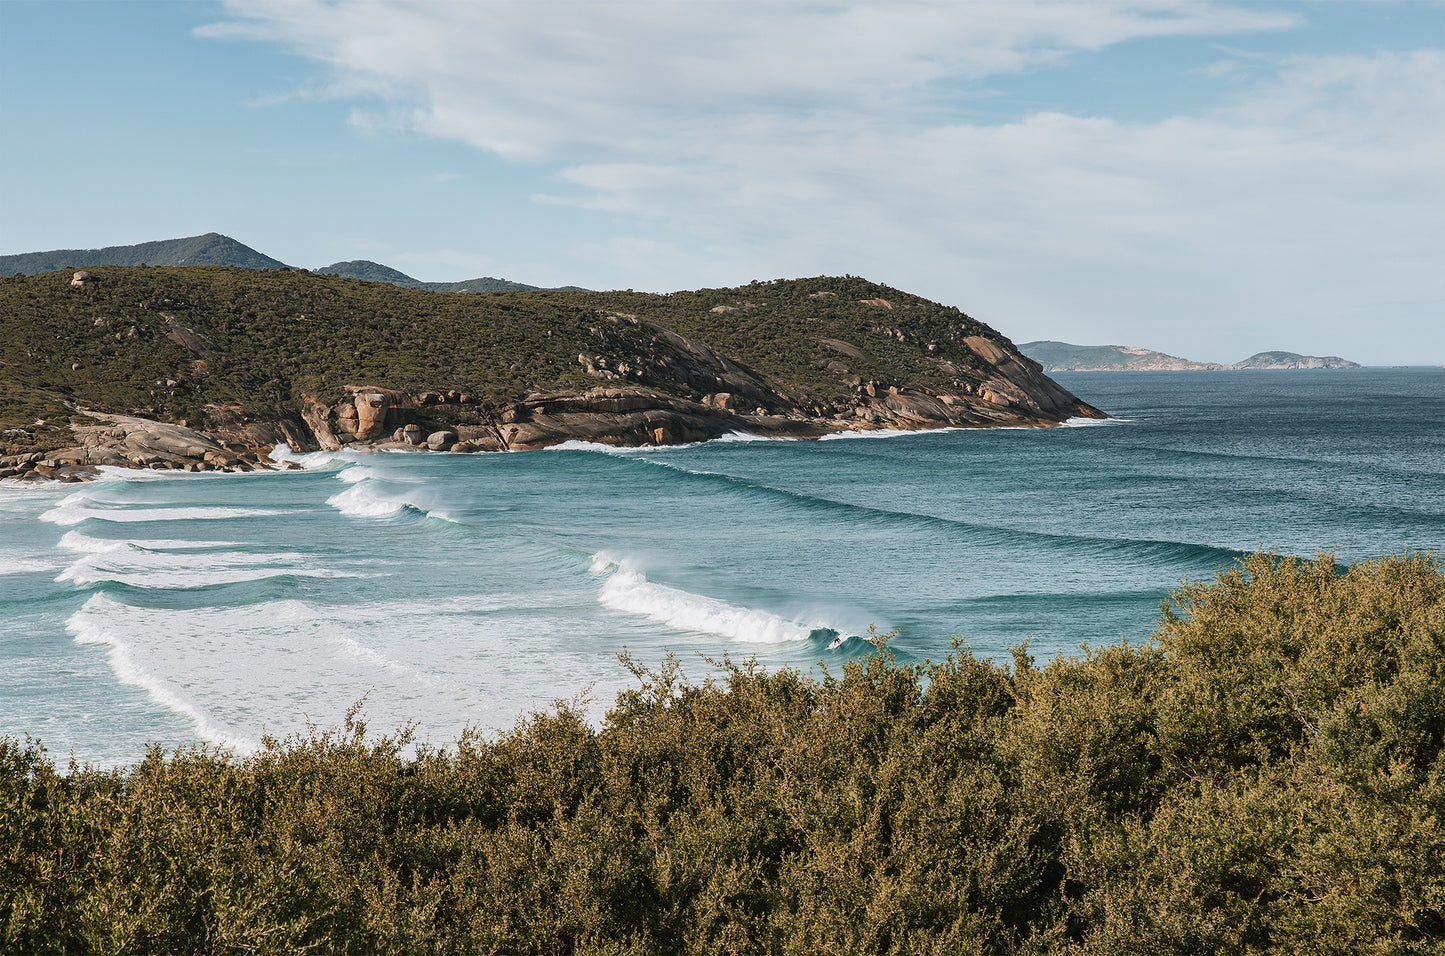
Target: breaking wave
[627, 590]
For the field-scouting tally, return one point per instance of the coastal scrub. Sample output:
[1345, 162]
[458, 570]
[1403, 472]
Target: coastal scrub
[1264, 774]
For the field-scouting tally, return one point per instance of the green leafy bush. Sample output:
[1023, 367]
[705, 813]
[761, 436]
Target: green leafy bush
[1263, 775]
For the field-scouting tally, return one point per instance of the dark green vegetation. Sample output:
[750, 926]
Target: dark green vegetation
[169, 343]
[1265, 775]
[212, 249]
[369, 271]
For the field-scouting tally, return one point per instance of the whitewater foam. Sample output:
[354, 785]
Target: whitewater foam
[282, 454]
[884, 433]
[750, 436]
[367, 499]
[1077, 422]
[576, 444]
[13, 565]
[354, 474]
[628, 590]
[361, 500]
[238, 672]
[100, 621]
[75, 509]
[80, 541]
[139, 566]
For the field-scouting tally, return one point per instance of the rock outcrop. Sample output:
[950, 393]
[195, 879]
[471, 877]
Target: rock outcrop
[1013, 391]
[124, 441]
[212, 370]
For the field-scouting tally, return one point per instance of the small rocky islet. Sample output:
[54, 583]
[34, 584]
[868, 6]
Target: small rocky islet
[1064, 357]
[202, 368]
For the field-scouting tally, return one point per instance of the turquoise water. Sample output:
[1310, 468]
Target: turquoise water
[455, 590]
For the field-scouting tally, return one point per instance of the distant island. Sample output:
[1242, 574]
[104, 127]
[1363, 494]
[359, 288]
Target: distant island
[205, 367]
[1063, 357]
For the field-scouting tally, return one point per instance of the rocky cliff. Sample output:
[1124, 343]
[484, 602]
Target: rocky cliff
[208, 368]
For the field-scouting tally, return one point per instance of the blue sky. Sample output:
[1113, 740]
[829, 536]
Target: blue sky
[1209, 179]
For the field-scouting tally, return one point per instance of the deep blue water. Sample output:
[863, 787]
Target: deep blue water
[469, 589]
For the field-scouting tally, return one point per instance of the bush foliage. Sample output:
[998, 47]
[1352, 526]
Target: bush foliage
[1263, 775]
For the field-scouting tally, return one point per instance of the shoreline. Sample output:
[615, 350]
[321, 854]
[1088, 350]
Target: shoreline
[630, 417]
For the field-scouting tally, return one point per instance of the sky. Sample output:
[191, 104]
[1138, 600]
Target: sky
[1208, 179]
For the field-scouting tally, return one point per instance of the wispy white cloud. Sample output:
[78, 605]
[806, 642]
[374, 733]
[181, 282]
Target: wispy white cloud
[530, 80]
[758, 139]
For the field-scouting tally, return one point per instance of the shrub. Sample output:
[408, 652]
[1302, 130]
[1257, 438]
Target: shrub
[1264, 775]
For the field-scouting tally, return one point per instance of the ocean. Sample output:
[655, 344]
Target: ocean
[443, 591]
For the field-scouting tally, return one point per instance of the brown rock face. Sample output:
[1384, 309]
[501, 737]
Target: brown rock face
[371, 410]
[318, 418]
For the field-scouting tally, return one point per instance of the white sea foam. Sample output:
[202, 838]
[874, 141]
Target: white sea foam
[369, 498]
[354, 474]
[239, 672]
[76, 540]
[1077, 422]
[749, 436]
[626, 589]
[881, 433]
[119, 474]
[313, 460]
[75, 509]
[14, 565]
[85, 544]
[579, 445]
[138, 565]
[105, 621]
[362, 500]
[20, 493]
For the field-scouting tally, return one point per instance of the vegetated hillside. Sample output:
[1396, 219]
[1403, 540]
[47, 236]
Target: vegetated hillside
[1265, 776]
[176, 343]
[212, 249]
[1289, 360]
[1063, 357]
[369, 271]
[487, 284]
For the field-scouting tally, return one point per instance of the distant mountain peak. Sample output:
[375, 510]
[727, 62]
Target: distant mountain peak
[208, 249]
[368, 271]
[215, 249]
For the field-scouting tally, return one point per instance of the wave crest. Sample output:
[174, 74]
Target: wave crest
[628, 590]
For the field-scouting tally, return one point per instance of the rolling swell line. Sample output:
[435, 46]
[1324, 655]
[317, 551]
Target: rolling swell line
[1373, 470]
[1145, 548]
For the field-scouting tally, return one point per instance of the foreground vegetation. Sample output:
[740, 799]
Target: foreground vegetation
[1265, 775]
